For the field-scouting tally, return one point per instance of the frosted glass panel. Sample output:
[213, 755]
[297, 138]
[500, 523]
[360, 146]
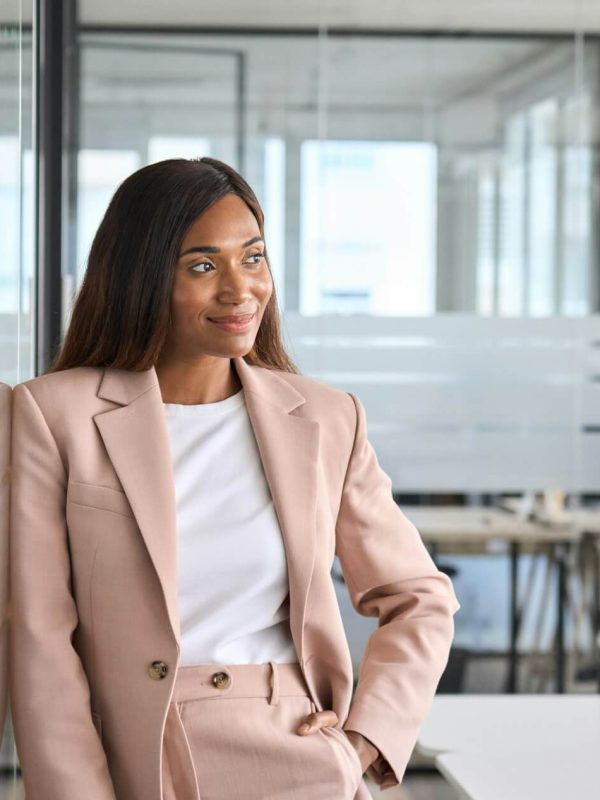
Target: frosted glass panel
[463, 403]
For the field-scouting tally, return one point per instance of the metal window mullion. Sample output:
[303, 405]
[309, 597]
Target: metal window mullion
[71, 76]
[49, 124]
[241, 111]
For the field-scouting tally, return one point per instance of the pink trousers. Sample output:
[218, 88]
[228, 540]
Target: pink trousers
[231, 735]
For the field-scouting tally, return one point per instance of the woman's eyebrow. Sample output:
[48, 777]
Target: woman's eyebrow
[209, 249]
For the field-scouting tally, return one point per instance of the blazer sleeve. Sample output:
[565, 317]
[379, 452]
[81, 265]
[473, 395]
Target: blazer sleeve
[59, 750]
[390, 575]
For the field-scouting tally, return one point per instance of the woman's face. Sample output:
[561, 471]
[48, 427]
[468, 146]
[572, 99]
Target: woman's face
[221, 272]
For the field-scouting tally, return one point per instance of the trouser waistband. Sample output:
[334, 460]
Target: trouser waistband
[238, 680]
[270, 680]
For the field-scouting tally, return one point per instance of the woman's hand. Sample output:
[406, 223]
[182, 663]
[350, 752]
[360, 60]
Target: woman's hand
[367, 752]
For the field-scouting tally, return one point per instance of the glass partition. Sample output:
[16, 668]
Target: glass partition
[17, 296]
[457, 179]
[17, 200]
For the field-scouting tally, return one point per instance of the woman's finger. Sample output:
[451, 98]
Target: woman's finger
[318, 719]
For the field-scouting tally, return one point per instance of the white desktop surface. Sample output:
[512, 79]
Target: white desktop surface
[510, 723]
[565, 774]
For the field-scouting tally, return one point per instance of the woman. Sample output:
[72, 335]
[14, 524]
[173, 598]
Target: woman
[179, 492]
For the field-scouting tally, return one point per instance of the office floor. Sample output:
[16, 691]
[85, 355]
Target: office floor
[417, 787]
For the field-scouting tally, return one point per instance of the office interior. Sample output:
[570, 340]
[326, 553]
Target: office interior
[430, 178]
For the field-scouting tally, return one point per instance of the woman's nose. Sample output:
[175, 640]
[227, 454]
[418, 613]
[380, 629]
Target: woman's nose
[233, 282]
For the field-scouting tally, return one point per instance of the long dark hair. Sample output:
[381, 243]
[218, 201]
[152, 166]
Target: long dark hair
[121, 313]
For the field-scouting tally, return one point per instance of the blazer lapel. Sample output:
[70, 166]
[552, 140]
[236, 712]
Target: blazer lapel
[289, 448]
[136, 438]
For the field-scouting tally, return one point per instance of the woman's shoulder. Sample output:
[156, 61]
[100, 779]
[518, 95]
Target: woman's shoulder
[323, 401]
[62, 383]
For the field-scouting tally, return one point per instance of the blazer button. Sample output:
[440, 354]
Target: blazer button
[221, 680]
[157, 670]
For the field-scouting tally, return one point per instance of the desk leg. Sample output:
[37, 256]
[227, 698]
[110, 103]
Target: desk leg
[561, 550]
[597, 610]
[511, 686]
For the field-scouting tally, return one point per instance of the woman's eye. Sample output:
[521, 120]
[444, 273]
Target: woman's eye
[202, 263]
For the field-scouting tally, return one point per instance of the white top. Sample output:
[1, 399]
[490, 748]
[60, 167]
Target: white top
[232, 572]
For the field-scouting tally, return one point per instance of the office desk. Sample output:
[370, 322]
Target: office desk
[587, 521]
[494, 723]
[456, 525]
[523, 776]
[516, 747]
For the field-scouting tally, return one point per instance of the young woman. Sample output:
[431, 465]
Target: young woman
[179, 491]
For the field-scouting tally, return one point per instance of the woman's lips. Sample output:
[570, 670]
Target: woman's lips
[234, 324]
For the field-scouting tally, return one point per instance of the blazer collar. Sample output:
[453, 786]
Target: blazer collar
[124, 386]
[136, 438]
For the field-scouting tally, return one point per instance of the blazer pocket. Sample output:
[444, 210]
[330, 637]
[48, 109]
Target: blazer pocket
[97, 720]
[101, 497]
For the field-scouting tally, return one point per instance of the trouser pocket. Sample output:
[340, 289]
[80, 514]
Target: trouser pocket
[335, 734]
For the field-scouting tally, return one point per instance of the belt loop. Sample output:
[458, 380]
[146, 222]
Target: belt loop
[274, 698]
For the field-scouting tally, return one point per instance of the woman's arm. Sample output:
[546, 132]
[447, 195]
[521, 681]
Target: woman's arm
[390, 574]
[59, 750]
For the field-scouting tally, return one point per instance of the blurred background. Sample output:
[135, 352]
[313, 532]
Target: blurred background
[430, 178]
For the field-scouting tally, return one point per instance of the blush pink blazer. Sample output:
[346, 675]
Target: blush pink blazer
[5, 428]
[93, 575]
